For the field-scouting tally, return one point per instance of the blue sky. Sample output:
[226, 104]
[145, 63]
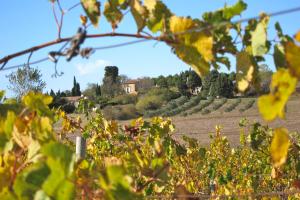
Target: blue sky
[28, 23]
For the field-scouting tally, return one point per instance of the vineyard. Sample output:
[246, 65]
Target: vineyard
[153, 157]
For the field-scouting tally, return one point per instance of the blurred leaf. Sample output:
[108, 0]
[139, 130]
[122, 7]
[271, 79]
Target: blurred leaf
[30, 180]
[6, 194]
[245, 70]
[280, 146]
[38, 102]
[282, 86]
[116, 184]
[279, 56]
[297, 37]
[92, 9]
[139, 13]
[2, 93]
[60, 160]
[41, 195]
[83, 20]
[293, 58]
[259, 38]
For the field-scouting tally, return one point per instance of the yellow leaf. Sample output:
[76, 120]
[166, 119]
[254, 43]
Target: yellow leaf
[272, 105]
[180, 24]
[293, 58]
[279, 146]
[202, 41]
[245, 70]
[297, 36]
[139, 13]
[92, 9]
[191, 56]
[83, 20]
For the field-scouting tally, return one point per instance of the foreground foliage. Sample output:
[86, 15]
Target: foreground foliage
[135, 162]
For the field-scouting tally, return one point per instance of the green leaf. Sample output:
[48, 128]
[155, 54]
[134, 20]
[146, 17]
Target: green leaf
[116, 184]
[259, 38]
[2, 93]
[66, 190]
[234, 10]
[30, 180]
[92, 10]
[6, 194]
[159, 15]
[60, 160]
[112, 13]
[41, 195]
[38, 102]
[279, 56]
[139, 13]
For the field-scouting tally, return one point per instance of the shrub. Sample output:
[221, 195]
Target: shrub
[123, 112]
[68, 108]
[124, 99]
[149, 103]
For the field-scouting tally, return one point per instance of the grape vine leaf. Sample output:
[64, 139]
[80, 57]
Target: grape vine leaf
[259, 38]
[273, 104]
[159, 15]
[236, 9]
[38, 102]
[280, 146]
[139, 13]
[194, 48]
[293, 59]
[60, 160]
[6, 194]
[116, 184]
[112, 13]
[224, 14]
[279, 56]
[30, 180]
[92, 9]
[245, 70]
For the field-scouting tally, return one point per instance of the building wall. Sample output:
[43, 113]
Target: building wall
[129, 88]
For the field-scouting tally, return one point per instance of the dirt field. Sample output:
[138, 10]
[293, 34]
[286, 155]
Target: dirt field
[199, 126]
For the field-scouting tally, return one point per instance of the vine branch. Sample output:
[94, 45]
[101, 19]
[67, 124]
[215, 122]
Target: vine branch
[60, 40]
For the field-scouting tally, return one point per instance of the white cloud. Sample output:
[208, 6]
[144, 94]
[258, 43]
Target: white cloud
[90, 67]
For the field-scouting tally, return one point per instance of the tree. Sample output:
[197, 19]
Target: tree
[76, 88]
[193, 80]
[111, 82]
[144, 84]
[25, 79]
[92, 91]
[182, 85]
